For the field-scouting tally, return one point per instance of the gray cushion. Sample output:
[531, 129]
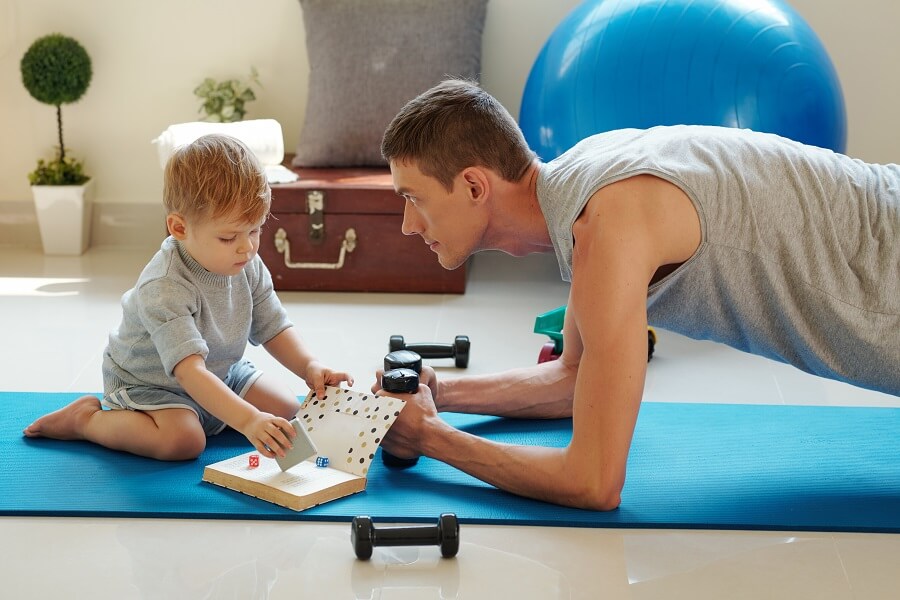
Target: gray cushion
[368, 58]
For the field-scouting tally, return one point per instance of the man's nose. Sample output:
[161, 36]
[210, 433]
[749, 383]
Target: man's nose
[410, 220]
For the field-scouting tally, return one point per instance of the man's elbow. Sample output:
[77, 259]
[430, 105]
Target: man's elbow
[590, 483]
[604, 500]
[598, 495]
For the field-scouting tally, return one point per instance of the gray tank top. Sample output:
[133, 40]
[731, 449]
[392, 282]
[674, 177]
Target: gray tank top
[800, 253]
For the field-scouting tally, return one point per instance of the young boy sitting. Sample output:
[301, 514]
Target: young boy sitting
[174, 371]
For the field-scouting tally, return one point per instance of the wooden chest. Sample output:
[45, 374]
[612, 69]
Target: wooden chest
[339, 230]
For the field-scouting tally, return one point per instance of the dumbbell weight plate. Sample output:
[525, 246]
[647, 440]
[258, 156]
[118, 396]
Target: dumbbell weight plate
[396, 343]
[403, 359]
[461, 354]
[361, 537]
[449, 527]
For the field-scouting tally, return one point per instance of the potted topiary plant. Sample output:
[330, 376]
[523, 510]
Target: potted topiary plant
[56, 70]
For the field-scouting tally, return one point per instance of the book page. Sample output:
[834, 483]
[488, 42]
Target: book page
[301, 480]
[347, 426]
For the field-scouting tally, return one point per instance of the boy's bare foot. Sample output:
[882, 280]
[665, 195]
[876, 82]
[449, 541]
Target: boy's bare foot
[66, 423]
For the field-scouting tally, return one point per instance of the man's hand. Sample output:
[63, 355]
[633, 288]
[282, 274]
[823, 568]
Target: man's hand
[427, 377]
[269, 434]
[404, 438]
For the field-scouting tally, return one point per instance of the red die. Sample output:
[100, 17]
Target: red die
[254, 461]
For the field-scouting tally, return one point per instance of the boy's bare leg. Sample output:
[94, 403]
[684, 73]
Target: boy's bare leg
[66, 423]
[269, 394]
[168, 434]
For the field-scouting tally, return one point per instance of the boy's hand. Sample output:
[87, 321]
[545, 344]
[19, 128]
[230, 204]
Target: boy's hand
[318, 376]
[270, 435]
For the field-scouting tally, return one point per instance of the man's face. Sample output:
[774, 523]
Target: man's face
[449, 222]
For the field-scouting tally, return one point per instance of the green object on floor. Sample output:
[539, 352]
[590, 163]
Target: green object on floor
[551, 324]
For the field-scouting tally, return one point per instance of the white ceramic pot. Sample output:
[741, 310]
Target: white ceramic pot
[64, 216]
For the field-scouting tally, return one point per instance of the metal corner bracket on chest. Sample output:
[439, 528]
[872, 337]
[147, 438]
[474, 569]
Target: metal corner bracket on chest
[315, 205]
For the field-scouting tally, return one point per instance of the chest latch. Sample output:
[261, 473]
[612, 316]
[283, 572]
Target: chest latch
[315, 206]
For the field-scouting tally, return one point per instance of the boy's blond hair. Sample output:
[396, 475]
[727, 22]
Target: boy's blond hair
[216, 176]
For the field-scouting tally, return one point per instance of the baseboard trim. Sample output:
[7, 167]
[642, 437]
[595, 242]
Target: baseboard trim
[112, 224]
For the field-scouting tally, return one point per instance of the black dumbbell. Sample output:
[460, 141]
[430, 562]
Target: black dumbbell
[458, 350]
[364, 536]
[401, 376]
[403, 359]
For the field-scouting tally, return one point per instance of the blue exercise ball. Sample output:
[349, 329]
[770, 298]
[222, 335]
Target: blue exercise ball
[613, 64]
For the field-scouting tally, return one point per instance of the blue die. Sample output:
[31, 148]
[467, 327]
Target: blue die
[322, 461]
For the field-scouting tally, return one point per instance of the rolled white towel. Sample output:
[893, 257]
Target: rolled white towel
[262, 136]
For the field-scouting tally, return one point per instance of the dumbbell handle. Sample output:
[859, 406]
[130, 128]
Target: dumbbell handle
[426, 535]
[399, 381]
[426, 350]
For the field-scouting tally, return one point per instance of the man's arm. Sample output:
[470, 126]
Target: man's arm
[608, 309]
[622, 238]
[540, 391]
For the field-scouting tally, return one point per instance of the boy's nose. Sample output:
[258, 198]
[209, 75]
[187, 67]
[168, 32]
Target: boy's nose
[245, 247]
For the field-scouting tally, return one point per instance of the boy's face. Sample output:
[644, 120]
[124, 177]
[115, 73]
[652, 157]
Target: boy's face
[447, 221]
[221, 245]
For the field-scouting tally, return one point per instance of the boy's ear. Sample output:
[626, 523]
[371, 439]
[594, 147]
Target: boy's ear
[176, 225]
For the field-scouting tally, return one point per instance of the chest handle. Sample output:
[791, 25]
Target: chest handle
[283, 245]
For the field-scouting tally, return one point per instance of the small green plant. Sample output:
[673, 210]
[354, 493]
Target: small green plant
[56, 70]
[67, 171]
[224, 101]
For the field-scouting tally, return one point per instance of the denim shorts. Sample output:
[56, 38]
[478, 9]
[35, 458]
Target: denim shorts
[241, 376]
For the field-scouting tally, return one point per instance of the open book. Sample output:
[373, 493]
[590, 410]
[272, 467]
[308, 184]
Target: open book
[345, 427]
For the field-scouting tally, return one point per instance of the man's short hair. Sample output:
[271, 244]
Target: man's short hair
[216, 176]
[456, 125]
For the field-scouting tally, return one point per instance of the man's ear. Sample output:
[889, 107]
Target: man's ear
[477, 183]
[176, 225]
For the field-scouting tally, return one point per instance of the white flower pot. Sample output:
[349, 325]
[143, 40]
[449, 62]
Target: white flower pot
[64, 216]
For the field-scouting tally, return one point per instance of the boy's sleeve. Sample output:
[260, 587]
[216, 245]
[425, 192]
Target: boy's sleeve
[167, 312]
[269, 316]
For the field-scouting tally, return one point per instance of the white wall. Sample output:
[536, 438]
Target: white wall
[148, 57]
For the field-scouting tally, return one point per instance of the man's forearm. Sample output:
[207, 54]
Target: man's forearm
[543, 391]
[537, 472]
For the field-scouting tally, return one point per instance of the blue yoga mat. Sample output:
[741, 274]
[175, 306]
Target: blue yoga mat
[692, 466]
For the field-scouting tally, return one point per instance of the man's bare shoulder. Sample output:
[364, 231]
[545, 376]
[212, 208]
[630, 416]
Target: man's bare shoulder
[643, 209]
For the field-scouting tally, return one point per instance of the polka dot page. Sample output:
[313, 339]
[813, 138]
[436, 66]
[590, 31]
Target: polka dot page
[347, 426]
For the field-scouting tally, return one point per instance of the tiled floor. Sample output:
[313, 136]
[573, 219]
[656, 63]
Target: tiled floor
[55, 312]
